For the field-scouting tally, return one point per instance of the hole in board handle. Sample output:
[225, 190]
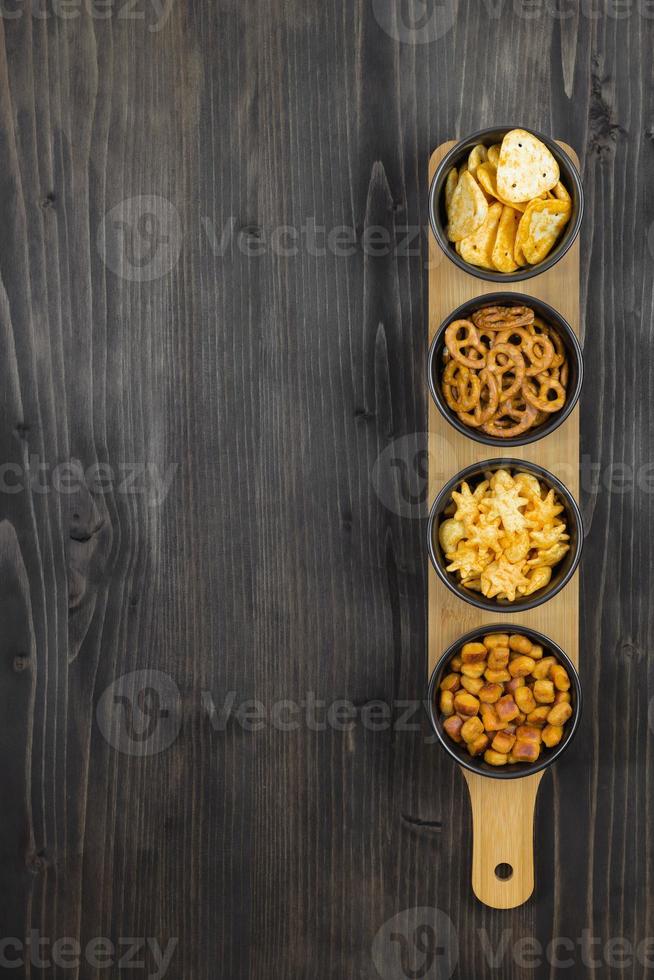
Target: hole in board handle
[504, 872]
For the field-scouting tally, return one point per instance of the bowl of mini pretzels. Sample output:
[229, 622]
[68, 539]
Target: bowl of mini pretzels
[505, 369]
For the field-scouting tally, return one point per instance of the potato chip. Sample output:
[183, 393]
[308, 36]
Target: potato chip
[526, 168]
[486, 177]
[477, 155]
[502, 254]
[544, 221]
[468, 208]
[451, 181]
[560, 193]
[518, 254]
[541, 513]
[477, 249]
[493, 154]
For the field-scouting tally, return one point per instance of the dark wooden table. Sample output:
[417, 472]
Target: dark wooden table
[212, 321]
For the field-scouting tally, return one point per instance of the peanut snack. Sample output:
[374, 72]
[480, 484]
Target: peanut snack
[517, 710]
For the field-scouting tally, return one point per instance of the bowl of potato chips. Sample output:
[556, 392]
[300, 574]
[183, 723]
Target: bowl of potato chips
[505, 369]
[505, 535]
[506, 204]
[504, 702]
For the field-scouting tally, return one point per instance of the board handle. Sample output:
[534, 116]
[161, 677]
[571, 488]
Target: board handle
[502, 838]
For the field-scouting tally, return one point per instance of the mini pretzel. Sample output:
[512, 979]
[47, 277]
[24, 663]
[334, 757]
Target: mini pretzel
[537, 396]
[559, 357]
[501, 317]
[522, 414]
[504, 371]
[488, 402]
[461, 339]
[461, 387]
[540, 351]
[538, 348]
[512, 361]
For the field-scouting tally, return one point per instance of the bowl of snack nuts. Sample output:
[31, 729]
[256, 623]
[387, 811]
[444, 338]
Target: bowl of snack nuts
[505, 369]
[504, 702]
[505, 204]
[505, 535]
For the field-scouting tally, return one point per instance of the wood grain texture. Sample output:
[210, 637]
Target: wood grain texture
[502, 813]
[276, 565]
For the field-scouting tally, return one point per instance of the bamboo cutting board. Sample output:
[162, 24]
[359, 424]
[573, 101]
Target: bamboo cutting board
[502, 810]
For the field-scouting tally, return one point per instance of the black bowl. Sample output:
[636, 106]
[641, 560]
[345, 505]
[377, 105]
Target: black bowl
[551, 317]
[561, 573]
[457, 155]
[477, 764]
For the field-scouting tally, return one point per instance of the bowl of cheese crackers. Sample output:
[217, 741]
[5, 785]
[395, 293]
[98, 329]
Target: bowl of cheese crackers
[505, 535]
[506, 204]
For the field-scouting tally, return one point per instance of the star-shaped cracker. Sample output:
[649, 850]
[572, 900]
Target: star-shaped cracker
[550, 557]
[502, 577]
[547, 537]
[540, 513]
[506, 503]
[516, 546]
[467, 505]
[485, 535]
[538, 579]
[467, 561]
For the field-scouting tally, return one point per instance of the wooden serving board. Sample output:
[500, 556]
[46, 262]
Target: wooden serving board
[502, 810]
